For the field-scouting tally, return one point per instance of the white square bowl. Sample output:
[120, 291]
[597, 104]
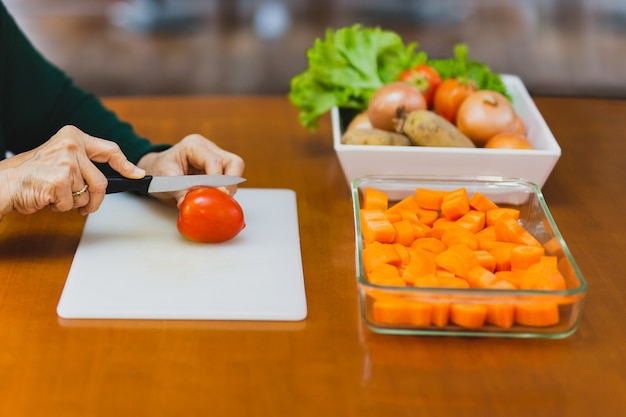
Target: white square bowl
[533, 165]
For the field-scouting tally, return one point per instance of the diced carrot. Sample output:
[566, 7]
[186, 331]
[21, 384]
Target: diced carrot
[403, 232]
[523, 256]
[450, 281]
[408, 203]
[385, 274]
[502, 254]
[544, 275]
[401, 312]
[375, 199]
[480, 277]
[420, 229]
[428, 280]
[385, 269]
[512, 277]
[444, 222]
[385, 280]
[377, 253]
[481, 202]
[455, 204]
[440, 313]
[421, 263]
[491, 216]
[429, 199]
[428, 217]
[370, 214]
[509, 230]
[376, 227]
[439, 227]
[403, 252]
[489, 245]
[486, 259]
[429, 244]
[501, 315]
[537, 315]
[459, 236]
[408, 215]
[473, 220]
[468, 315]
[488, 233]
[554, 247]
[502, 284]
[457, 259]
[393, 216]
[420, 313]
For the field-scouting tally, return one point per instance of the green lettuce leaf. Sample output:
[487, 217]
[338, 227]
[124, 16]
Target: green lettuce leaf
[462, 67]
[346, 68]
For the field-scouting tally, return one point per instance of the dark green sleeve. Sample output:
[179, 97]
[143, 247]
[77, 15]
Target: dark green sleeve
[37, 99]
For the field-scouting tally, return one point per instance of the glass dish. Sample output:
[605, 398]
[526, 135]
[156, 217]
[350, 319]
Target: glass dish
[535, 217]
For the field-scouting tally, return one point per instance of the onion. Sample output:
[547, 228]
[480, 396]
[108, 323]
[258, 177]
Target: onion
[392, 101]
[360, 121]
[484, 114]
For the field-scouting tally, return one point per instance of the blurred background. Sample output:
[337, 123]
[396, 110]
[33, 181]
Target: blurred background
[170, 47]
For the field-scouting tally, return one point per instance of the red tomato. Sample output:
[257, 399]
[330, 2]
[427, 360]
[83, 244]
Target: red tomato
[425, 78]
[449, 96]
[209, 215]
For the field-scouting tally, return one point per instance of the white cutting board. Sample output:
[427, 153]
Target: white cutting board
[131, 263]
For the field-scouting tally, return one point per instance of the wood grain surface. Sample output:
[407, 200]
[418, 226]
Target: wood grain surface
[328, 364]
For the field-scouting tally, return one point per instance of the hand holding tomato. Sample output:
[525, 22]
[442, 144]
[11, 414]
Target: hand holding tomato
[210, 215]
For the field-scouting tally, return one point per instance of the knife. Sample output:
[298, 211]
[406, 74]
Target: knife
[150, 184]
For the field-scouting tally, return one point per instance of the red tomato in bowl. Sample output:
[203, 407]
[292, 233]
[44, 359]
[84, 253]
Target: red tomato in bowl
[449, 96]
[210, 215]
[425, 78]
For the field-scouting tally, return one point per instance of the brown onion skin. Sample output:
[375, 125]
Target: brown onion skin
[391, 101]
[484, 114]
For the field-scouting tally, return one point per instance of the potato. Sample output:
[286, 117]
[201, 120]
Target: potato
[374, 137]
[427, 128]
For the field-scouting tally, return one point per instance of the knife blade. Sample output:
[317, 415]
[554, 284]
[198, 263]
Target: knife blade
[150, 184]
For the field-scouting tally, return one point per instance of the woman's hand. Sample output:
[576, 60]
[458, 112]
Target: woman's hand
[195, 154]
[51, 174]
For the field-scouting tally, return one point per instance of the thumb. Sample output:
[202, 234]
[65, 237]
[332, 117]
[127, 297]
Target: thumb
[105, 151]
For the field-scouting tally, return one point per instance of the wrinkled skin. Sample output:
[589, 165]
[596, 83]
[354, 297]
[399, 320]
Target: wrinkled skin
[194, 154]
[48, 175]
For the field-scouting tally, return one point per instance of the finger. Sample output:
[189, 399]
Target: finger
[203, 153]
[97, 184]
[81, 196]
[104, 151]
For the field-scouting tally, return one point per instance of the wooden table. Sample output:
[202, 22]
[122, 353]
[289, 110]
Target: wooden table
[329, 364]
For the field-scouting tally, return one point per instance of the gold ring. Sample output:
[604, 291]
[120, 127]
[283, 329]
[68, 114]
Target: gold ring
[83, 190]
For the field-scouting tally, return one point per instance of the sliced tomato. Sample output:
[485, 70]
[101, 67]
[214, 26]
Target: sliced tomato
[425, 78]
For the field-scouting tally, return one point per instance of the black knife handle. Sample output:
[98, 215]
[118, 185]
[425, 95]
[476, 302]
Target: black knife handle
[120, 184]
